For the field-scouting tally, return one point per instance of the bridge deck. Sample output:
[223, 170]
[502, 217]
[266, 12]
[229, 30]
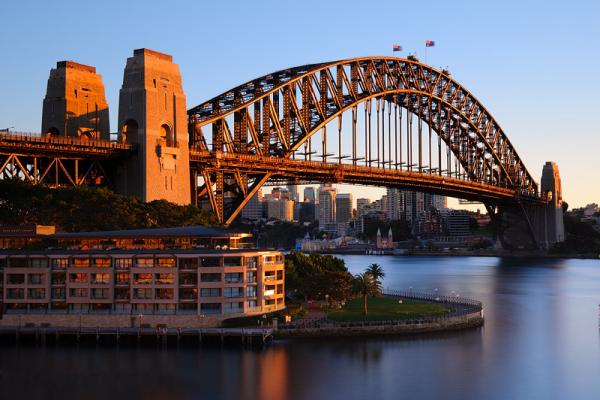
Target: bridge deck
[307, 171]
[35, 145]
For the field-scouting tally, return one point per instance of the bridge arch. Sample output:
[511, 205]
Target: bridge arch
[278, 114]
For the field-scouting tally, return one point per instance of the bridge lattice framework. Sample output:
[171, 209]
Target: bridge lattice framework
[264, 130]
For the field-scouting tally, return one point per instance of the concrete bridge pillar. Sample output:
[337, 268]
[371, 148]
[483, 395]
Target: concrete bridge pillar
[153, 115]
[75, 103]
[530, 226]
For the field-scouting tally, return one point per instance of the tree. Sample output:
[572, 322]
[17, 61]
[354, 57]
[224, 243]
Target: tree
[377, 273]
[364, 285]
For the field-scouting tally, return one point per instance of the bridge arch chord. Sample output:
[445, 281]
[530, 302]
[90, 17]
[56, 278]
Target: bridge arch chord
[275, 115]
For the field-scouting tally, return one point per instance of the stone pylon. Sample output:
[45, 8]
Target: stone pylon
[153, 116]
[75, 103]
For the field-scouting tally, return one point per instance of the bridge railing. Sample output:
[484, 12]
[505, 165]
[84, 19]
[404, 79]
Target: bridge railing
[66, 140]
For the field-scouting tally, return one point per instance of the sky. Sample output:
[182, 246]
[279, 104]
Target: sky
[532, 64]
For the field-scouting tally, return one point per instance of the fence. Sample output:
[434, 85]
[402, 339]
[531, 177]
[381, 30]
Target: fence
[463, 310]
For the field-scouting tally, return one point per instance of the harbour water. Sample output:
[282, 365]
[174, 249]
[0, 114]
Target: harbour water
[541, 340]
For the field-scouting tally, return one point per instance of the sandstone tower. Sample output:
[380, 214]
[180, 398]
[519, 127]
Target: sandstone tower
[75, 103]
[153, 115]
[551, 185]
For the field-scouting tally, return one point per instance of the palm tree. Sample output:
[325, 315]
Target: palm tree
[377, 273]
[365, 285]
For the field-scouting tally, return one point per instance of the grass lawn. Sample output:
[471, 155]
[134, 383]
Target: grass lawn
[385, 308]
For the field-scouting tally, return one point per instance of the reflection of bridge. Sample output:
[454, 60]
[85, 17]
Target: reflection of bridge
[378, 121]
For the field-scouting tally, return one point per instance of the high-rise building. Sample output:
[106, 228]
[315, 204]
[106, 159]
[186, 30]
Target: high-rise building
[282, 209]
[293, 191]
[326, 214]
[309, 194]
[343, 207]
[253, 211]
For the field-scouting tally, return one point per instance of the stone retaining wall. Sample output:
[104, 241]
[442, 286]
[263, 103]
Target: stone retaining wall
[443, 324]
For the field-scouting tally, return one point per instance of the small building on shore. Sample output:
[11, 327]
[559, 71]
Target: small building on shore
[175, 277]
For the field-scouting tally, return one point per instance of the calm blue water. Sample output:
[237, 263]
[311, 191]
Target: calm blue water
[541, 340]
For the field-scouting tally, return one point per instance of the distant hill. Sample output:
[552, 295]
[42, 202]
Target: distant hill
[75, 209]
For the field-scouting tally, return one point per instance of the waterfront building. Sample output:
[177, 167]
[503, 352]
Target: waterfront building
[180, 277]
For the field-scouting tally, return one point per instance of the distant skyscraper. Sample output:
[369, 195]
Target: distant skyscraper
[439, 202]
[343, 207]
[326, 214]
[253, 210]
[293, 190]
[282, 209]
[309, 194]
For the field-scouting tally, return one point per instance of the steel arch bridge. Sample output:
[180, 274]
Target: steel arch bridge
[396, 123]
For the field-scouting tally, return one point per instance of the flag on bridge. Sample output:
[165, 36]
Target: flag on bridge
[429, 43]
[396, 47]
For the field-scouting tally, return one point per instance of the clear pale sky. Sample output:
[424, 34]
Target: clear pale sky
[533, 64]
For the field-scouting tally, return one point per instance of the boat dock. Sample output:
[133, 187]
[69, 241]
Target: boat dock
[148, 335]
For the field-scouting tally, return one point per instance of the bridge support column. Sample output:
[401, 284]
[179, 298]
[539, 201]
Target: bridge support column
[531, 226]
[152, 115]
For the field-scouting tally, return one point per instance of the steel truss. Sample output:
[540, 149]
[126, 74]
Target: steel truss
[59, 161]
[277, 117]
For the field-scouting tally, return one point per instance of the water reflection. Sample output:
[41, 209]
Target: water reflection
[540, 341]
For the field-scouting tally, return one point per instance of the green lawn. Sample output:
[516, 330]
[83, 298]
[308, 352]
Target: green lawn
[385, 308]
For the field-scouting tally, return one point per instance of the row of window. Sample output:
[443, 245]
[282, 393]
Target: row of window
[138, 278]
[141, 262]
[140, 293]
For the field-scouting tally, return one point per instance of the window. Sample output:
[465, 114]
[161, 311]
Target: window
[234, 277]
[251, 262]
[78, 292]
[210, 277]
[251, 291]
[122, 293]
[58, 293]
[210, 261]
[188, 263]
[58, 279]
[165, 279]
[232, 261]
[60, 263]
[188, 294]
[280, 289]
[123, 263]
[142, 294]
[122, 279]
[210, 308]
[80, 262]
[15, 294]
[273, 259]
[210, 292]
[18, 262]
[269, 290]
[101, 278]
[252, 304]
[39, 263]
[233, 292]
[15, 279]
[166, 137]
[251, 276]
[103, 262]
[188, 278]
[36, 279]
[144, 262]
[165, 294]
[78, 277]
[165, 262]
[100, 293]
[142, 279]
[233, 307]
